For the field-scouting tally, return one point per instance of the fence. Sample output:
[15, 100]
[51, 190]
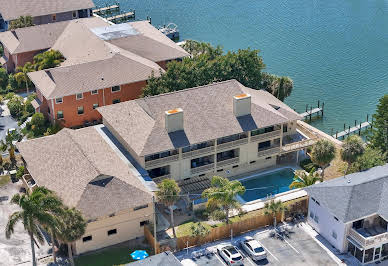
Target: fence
[151, 240]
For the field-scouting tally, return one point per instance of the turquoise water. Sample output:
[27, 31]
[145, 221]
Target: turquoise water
[268, 184]
[335, 51]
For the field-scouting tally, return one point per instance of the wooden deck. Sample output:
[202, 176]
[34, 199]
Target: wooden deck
[124, 16]
[311, 112]
[106, 9]
[351, 130]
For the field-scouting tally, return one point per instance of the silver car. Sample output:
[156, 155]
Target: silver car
[253, 248]
[230, 254]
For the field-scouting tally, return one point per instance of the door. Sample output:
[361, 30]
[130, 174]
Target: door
[377, 253]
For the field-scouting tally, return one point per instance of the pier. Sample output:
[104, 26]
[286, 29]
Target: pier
[107, 9]
[352, 129]
[114, 14]
[122, 17]
[310, 111]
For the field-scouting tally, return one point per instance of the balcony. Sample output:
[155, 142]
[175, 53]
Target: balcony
[234, 143]
[265, 136]
[198, 152]
[295, 146]
[366, 241]
[161, 161]
[269, 151]
[228, 161]
[203, 168]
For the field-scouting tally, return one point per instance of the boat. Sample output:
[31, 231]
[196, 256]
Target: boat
[171, 31]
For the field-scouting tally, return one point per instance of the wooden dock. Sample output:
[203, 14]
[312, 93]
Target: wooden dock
[121, 17]
[107, 9]
[310, 111]
[352, 129]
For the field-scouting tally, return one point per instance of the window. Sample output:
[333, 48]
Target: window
[285, 128]
[268, 158]
[143, 223]
[251, 162]
[262, 130]
[313, 199]
[316, 219]
[311, 215]
[220, 170]
[140, 207]
[80, 110]
[95, 105]
[115, 88]
[79, 96]
[335, 218]
[60, 115]
[87, 238]
[58, 100]
[235, 166]
[112, 232]
[74, 14]
[116, 101]
[94, 92]
[334, 234]
[264, 145]
[318, 203]
[54, 17]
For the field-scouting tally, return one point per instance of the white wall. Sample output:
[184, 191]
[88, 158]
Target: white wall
[327, 224]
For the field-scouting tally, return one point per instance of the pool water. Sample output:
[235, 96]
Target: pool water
[263, 185]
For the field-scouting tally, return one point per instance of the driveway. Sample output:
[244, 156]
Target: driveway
[16, 250]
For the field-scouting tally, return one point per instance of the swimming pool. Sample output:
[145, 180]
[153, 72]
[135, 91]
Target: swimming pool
[262, 185]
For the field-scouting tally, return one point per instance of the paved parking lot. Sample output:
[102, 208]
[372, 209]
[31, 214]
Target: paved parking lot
[297, 249]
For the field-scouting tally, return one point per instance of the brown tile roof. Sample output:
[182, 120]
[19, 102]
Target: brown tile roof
[13, 9]
[71, 163]
[208, 114]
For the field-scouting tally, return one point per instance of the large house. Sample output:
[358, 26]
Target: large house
[43, 11]
[351, 212]
[104, 64]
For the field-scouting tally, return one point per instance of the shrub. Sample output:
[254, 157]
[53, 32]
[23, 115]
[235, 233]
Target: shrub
[38, 124]
[308, 165]
[15, 107]
[20, 172]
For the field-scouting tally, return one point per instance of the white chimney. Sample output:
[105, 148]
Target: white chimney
[174, 120]
[242, 104]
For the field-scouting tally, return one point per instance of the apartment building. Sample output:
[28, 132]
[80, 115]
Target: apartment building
[105, 64]
[222, 128]
[86, 170]
[43, 12]
[351, 213]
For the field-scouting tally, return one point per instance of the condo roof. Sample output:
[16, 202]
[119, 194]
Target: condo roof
[81, 167]
[208, 114]
[354, 196]
[13, 9]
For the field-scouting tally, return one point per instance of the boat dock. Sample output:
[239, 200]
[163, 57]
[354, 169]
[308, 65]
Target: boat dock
[113, 13]
[107, 9]
[356, 128]
[310, 110]
[122, 17]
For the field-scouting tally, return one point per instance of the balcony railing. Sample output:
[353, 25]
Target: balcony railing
[298, 145]
[268, 152]
[265, 136]
[160, 178]
[203, 168]
[160, 161]
[198, 152]
[231, 144]
[367, 241]
[228, 161]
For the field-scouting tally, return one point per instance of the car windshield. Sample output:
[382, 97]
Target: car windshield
[259, 249]
[237, 258]
[232, 250]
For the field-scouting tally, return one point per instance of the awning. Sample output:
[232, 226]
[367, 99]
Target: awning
[3, 60]
[354, 242]
[36, 103]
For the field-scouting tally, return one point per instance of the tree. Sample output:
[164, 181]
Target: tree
[379, 133]
[303, 179]
[223, 193]
[21, 75]
[273, 207]
[323, 153]
[21, 22]
[3, 78]
[8, 144]
[352, 148]
[48, 59]
[168, 194]
[38, 124]
[15, 106]
[36, 210]
[370, 158]
[73, 228]
[198, 229]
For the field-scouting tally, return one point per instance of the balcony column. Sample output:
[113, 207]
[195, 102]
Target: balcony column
[215, 156]
[181, 165]
[281, 136]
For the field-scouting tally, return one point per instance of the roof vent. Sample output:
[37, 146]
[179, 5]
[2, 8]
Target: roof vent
[242, 104]
[174, 120]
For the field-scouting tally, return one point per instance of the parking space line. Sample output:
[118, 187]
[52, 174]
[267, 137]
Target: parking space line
[291, 246]
[220, 259]
[245, 255]
[269, 252]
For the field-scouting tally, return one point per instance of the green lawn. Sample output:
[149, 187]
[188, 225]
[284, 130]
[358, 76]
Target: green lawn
[4, 179]
[107, 257]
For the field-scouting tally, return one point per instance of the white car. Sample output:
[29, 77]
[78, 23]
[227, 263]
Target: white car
[230, 254]
[253, 248]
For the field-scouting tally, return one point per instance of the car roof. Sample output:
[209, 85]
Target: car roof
[253, 243]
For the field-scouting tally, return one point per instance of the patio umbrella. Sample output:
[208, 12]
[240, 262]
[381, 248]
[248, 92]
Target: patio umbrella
[139, 254]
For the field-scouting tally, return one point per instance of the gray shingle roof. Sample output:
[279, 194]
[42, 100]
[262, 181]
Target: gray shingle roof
[364, 195]
[13, 9]
[208, 114]
[69, 162]
[162, 259]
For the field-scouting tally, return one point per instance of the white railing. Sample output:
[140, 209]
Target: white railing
[269, 135]
[367, 241]
[232, 144]
[160, 161]
[198, 152]
[228, 161]
[298, 145]
[203, 168]
[268, 152]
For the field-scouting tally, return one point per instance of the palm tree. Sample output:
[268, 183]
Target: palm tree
[304, 179]
[168, 194]
[323, 153]
[36, 210]
[223, 193]
[273, 207]
[8, 144]
[48, 59]
[73, 228]
[352, 148]
[21, 74]
[198, 229]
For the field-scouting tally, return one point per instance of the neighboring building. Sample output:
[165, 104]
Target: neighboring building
[87, 170]
[104, 65]
[162, 259]
[43, 11]
[351, 212]
[223, 128]
[21, 45]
